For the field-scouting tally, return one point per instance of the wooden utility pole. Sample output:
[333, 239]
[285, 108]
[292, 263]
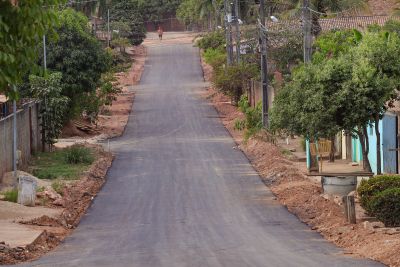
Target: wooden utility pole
[307, 31]
[237, 31]
[228, 31]
[264, 67]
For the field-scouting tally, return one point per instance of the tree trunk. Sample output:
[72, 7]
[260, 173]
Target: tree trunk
[378, 146]
[333, 149]
[365, 149]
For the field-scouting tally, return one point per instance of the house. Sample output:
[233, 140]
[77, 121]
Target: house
[388, 127]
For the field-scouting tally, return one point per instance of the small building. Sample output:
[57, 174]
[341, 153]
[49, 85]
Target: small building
[388, 127]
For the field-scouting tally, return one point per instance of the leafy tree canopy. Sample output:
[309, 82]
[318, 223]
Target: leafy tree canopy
[77, 55]
[21, 28]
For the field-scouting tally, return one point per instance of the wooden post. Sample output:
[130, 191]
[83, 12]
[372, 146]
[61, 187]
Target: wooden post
[349, 209]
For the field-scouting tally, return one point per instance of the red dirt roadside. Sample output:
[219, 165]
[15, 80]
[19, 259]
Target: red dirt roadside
[302, 196]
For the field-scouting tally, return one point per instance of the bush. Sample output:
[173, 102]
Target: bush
[253, 121]
[58, 186]
[215, 57]
[78, 154]
[231, 79]
[386, 206]
[11, 195]
[369, 188]
[211, 40]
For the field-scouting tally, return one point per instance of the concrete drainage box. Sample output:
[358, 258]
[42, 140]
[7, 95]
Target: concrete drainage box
[339, 185]
[26, 191]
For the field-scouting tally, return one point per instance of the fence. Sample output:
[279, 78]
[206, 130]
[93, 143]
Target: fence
[28, 136]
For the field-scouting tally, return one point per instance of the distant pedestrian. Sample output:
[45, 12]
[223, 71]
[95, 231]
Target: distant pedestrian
[160, 32]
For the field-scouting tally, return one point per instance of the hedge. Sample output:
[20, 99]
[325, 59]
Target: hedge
[385, 206]
[377, 184]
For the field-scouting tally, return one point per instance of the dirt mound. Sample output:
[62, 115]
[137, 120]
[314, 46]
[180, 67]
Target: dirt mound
[77, 197]
[43, 221]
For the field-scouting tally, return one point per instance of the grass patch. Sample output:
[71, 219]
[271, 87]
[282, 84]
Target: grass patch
[11, 195]
[58, 186]
[66, 164]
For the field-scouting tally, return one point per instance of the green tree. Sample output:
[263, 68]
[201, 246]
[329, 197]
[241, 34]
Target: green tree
[53, 106]
[131, 13]
[375, 79]
[78, 56]
[21, 28]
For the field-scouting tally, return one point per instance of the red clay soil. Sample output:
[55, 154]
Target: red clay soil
[112, 124]
[77, 197]
[302, 196]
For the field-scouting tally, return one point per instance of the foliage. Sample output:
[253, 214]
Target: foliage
[21, 28]
[54, 105]
[385, 206]
[253, 117]
[130, 12]
[369, 188]
[156, 10]
[58, 186]
[53, 165]
[197, 11]
[121, 43]
[78, 154]
[11, 195]
[285, 49]
[231, 79]
[239, 125]
[345, 92]
[392, 26]
[215, 57]
[334, 43]
[79, 57]
[212, 40]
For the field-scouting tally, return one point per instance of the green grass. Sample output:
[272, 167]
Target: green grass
[58, 186]
[11, 195]
[55, 165]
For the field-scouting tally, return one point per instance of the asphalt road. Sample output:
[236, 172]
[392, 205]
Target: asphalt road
[178, 194]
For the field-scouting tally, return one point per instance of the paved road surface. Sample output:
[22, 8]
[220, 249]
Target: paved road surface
[179, 195]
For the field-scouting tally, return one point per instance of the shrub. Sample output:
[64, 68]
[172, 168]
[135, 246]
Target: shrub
[231, 79]
[239, 125]
[58, 186]
[369, 188]
[78, 154]
[386, 206]
[11, 195]
[215, 57]
[211, 40]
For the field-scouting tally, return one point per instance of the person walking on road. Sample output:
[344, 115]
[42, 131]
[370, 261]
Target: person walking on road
[160, 32]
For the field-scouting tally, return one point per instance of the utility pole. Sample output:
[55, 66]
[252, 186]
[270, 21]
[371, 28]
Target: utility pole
[264, 69]
[228, 29]
[44, 54]
[307, 42]
[108, 28]
[15, 154]
[237, 31]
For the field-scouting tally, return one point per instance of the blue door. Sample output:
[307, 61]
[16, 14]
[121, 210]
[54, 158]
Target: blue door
[389, 144]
